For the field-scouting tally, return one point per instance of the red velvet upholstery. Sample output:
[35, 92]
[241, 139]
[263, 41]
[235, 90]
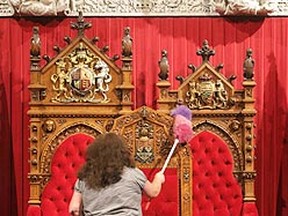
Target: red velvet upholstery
[167, 202]
[249, 209]
[34, 210]
[66, 161]
[215, 190]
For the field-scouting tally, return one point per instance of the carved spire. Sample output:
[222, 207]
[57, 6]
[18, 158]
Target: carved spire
[164, 66]
[81, 25]
[205, 52]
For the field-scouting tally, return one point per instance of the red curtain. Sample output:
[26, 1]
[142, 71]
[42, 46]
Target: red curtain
[181, 37]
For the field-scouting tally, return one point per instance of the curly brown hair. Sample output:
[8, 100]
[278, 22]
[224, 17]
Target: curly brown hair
[106, 158]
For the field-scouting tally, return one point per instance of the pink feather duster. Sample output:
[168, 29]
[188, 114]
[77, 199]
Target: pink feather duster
[182, 129]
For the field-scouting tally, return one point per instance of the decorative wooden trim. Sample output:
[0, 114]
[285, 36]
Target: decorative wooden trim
[144, 8]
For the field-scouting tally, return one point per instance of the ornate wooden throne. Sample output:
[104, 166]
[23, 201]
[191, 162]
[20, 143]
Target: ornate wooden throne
[223, 144]
[74, 97]
[81, 93]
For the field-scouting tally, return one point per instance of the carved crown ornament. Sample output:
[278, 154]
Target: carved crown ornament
[144, 8]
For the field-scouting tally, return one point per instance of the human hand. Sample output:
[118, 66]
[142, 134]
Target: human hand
[74, 213]
[159, 176]
[75, 204]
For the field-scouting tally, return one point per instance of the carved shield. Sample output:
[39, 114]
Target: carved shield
[206, 92]
[144, 151]
[82, 79]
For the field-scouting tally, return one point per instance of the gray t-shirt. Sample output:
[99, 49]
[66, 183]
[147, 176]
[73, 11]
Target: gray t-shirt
[122, 198]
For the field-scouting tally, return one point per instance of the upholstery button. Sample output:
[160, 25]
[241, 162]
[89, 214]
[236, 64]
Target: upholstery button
[236, 196]
[220, 150]
[227, 162]
[228, 184]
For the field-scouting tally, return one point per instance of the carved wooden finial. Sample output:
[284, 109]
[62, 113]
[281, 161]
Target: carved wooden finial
[164, 66]
[192, 67]
[127, 49]
[67, 39]
[35, 49]
[35, 43]
[205, 52]
[248, 65]
[81, 25]
[143, 112]
[181, 79]
[127, 43]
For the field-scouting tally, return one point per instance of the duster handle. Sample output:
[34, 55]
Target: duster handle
[176, 141]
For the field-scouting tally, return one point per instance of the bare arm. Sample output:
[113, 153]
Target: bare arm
[75, 204]
[152, 189]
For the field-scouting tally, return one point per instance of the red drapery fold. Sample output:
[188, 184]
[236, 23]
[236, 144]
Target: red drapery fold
[181, 37]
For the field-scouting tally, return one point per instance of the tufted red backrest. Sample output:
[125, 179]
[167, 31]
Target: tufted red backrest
[65, 163]
[67, 160]
[215, 190]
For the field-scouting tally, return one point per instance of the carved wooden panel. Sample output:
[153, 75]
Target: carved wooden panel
[149, 136]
